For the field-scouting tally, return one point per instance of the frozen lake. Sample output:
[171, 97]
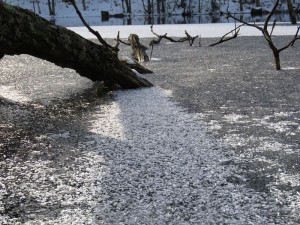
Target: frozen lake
[216, 141]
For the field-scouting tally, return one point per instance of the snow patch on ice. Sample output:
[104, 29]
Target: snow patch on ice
[65, 134]
[156, 59]
[282, 114]
[236, 118]
[281, 126]
[214, 125]
[168, 93]
[127, 59]
[273, 146]
[290, 68]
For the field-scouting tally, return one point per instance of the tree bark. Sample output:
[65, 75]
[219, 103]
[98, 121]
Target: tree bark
[23, 32]
[277, 60]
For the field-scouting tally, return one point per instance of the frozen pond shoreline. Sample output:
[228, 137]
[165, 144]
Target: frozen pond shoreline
[190, 152]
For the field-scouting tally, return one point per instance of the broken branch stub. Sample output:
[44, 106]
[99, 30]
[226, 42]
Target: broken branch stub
[139, 51]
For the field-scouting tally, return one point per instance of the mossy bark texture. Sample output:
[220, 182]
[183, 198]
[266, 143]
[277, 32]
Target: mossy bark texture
[23, 32]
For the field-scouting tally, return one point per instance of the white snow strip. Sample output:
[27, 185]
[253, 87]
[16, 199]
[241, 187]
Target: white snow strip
[177, 30]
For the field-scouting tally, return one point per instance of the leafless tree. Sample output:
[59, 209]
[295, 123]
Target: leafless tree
[51, 7]
[291, 12]
[199, 7]
[83, 5]
[128, 6]
[161, 6]
[268, 35]
[241, 5]
[37, 2]
[214, 5]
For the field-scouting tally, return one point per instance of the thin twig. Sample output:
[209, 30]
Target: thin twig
[118, 40]
[270, 15]
[292, 42]
[273, 26]
[295, 37]
[229, 15]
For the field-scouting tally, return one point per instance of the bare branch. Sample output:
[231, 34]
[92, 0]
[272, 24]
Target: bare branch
[101, 40]
[147, 11]
[273, 26]
[270, 15]
[160, 37]
[236, 31]
[292, 42]
[229, 15]
[295, 36]
[118, 40]
[188, 38]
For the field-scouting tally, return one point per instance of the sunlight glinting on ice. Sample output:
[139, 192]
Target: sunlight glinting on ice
[108, 123]
[10, 93]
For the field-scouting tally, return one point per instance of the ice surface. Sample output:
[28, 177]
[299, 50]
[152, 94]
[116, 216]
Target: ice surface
[142, 159]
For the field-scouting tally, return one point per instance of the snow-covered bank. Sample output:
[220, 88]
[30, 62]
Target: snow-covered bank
[204, 30]
[204, 11]
[94, 8]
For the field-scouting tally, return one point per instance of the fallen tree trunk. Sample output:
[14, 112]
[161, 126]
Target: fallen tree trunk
[23, 32]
